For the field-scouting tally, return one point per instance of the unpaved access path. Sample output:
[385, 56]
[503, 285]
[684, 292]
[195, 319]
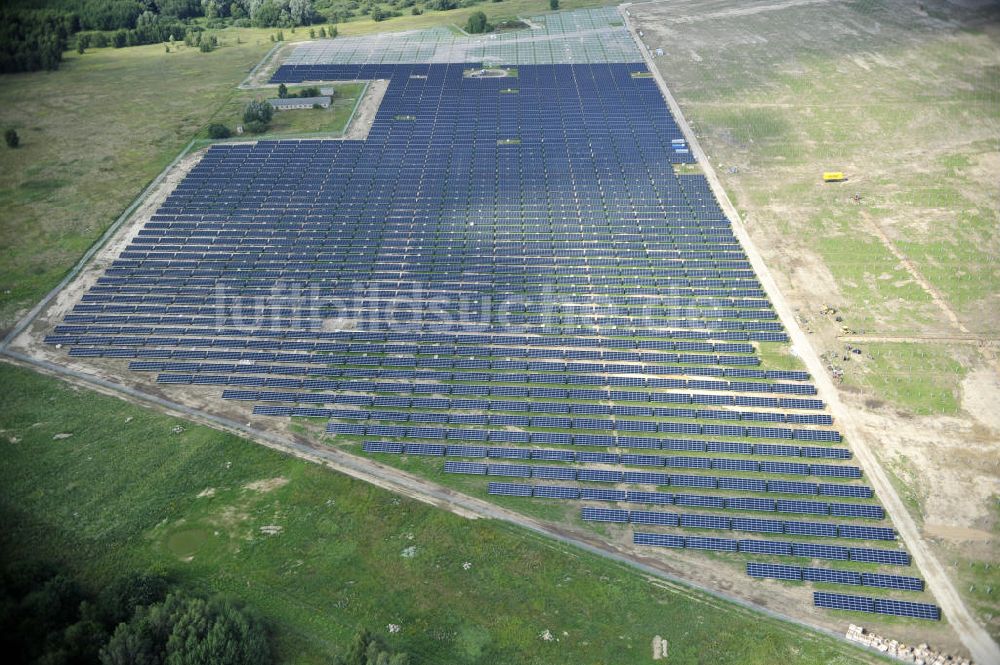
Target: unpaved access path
[979, 643]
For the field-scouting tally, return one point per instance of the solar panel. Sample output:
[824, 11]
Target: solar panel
[599, 476]
[520, 470]
[553, 473]
[704, 521]
[658, 539]
[757, 525]
[820, 551]
[382, 447]
[892, 581]
[465, 451]
[424, 449]
[648, 517]
[509, 489]
[811, 529]
[471, 468]
[603, 515]
[774, 571]
[717, 544]
[856, 510]
[892, 557]
[810, 507]
[699, 501]
[593, 494]
[867, 532]
[658, 498]
[556, 492]
[830, 576]
[837, 601]
[907, 609]
[645, 478]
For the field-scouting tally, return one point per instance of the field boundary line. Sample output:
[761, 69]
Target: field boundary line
[979, 643]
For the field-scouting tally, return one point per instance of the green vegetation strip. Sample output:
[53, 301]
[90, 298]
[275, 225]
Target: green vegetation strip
[318, 553]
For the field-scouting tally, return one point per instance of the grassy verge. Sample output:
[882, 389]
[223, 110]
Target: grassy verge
[93, 134]
[332, 120]
[128, 491]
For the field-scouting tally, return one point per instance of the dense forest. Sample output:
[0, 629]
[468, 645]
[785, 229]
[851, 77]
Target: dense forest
[35, 33]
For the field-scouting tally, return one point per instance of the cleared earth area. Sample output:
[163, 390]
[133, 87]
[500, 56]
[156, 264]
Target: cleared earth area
[894, 271]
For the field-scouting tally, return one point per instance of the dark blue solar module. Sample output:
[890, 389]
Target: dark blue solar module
[903, 608]
[603, 515]
[831, 576]
[472, 468]
[837, 601]
[892, 557]
[892, 581]
[648, 517]
[658, 539]
[774, 571]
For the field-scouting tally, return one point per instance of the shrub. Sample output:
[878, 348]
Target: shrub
[255, 127]
[477, 24]
[218, 131]
[12, 139]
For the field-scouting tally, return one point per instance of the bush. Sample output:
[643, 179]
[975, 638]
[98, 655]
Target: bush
[553, 4]
[255, 127]
[12, 139]
[218, 131]
[477, 24]
[258, 111]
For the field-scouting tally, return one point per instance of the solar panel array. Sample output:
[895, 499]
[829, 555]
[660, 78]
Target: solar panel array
[877, 606]
[509, 273]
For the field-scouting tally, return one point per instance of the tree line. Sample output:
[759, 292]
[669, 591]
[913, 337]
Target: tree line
[32, 39]
[47, 617]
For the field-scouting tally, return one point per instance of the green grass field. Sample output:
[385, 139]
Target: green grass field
[93, 134]
[125, 492]
[330, 121]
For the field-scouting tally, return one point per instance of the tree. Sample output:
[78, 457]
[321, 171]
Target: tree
[218, 131]
[553, 4]
[258, 111]
[185, 630]
[322, 32]
[118, 601]
[282, 90]
[477, 24]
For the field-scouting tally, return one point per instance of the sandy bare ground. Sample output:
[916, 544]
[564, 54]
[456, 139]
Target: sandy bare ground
[868, 431]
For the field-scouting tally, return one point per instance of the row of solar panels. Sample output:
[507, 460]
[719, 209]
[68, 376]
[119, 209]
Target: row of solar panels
[383, 325]
[683, 461]
[604, 441]
[470, 332]
[836, 601]
[393, 347]
[845, 510]
[430, 368]
[618, 477]
[694, 521]
[737, 524]
[827, 575]
[484, 388]
[560, 422]
[807, 550]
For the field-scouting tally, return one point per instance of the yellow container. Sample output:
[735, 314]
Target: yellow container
[833, 176]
